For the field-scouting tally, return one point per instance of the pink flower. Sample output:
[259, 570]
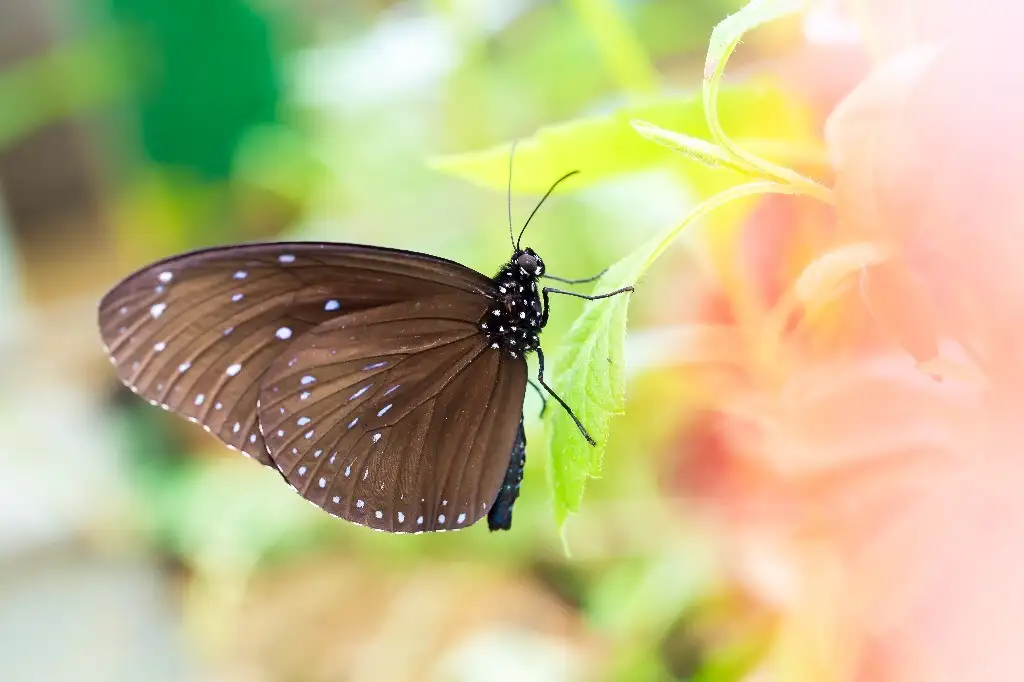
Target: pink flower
[878, 510]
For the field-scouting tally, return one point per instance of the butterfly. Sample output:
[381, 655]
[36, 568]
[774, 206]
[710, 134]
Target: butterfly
[385, 386]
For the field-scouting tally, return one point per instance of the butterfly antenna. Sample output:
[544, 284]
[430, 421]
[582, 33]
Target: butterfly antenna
[541, 202]
[511, 155]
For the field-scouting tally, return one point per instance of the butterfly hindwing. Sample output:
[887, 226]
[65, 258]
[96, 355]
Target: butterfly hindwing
[398, 418]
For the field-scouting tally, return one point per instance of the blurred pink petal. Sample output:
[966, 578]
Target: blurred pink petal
[889, 26]
[901, 303]
[928, 152]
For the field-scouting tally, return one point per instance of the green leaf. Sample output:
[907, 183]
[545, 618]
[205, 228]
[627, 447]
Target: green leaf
[588, 369]
[605, 146]
[694, 148]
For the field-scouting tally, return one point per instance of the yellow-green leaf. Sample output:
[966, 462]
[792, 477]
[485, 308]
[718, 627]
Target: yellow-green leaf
[606, 145]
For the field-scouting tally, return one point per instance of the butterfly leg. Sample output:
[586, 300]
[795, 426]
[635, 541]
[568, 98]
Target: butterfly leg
[540, 379]
[578, 281]
[543, 398]
[551, 290]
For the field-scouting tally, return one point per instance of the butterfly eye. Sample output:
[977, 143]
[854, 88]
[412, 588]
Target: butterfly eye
[530, 262]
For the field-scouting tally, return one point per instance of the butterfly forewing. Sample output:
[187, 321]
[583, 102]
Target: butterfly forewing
[398, 418]
[196, 333]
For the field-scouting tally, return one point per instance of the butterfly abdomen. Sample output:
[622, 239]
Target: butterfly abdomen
[500, 515]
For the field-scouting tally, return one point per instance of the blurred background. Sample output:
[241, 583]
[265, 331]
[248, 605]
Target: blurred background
[133, 546]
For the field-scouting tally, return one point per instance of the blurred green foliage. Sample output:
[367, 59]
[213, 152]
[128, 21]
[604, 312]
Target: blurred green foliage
[77, 77]
[210, 73]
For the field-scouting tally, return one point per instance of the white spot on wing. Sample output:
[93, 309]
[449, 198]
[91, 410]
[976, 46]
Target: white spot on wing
[183, 367]
[336, 499]
[376, 437]
[307, 380]
[462, 517]
[166, 277]
[380, 413]
[323, 482]
[440, 519]
[401, 517]
[331, 305]
[303, 421]
[160, 347]
[379, 514]
[241, 274]
[304, 395]
[353, 422]
[360, 504]
[284, 333]
[392, 389]
[361, 391]
[200, 399]
[376, 365]
[286, 258]
[233, 370]
[302, 472]
[237, 297]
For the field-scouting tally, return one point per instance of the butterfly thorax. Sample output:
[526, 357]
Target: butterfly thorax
[516, 318]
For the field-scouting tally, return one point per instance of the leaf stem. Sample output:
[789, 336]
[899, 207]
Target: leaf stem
[664, 240]
[719, 51]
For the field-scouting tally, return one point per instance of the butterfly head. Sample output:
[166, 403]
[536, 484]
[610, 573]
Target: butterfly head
[529, 262]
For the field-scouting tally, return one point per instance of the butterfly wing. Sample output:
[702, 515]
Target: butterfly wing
[399, 418]
[196, 333]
